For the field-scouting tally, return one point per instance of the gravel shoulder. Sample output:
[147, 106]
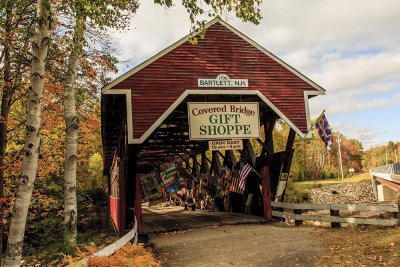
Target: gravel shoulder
[344, 193]
[272, 244]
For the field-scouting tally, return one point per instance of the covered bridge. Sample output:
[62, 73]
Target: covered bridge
[145, 113]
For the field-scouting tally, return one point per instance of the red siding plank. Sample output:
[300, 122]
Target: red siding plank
[159, 84]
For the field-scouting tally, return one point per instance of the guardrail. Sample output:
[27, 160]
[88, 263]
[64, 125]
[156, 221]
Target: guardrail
[132, 236]
[334, 216]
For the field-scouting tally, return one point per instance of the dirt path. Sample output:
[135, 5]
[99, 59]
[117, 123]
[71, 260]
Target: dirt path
[272, 244]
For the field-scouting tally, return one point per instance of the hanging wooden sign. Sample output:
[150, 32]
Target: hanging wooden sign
[225, 144]
[221, 120]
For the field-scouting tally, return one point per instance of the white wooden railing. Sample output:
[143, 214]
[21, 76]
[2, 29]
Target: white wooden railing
[281, 211]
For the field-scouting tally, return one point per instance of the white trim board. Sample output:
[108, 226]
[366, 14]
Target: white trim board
[182, 97]
[128, 95]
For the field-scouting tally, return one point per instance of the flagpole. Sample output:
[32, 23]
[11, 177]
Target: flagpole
[340, 157]
[312, 126]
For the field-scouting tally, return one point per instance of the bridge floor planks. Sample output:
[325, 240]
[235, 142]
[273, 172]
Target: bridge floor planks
[175, 218]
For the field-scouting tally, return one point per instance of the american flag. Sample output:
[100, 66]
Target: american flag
[244, 173]
[235, 186]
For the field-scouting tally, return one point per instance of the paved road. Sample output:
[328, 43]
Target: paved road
[270, 244]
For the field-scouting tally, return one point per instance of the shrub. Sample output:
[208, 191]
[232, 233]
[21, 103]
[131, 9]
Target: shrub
[296, 194]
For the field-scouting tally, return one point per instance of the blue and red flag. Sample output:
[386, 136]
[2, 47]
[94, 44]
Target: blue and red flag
[324, 131]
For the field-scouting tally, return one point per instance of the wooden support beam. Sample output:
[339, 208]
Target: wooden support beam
[268, 147]
[265, 162]
[336, 214]
[204, 168]
[266, 192]
[186, 161]
[287, 158]
[195, 166]
[216, 163]
[138, 191]
[285, 168]
[248, 152]
[219, 153]
[195, 163]
[229, 159]
[131, 176]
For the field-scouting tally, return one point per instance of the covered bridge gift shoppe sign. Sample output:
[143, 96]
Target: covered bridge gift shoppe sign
[168, 108]
[223, 120]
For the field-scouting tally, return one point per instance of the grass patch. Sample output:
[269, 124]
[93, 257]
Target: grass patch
[297, 192]
[364, 177]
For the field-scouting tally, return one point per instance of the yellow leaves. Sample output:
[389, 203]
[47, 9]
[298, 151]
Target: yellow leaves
[129, 255]
[66, 259]
[193, 40]
[91, 72]
[369, 246]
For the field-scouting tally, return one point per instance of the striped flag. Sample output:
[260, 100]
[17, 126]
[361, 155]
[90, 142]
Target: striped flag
[324, 131]
[244, 173]
[235, 186]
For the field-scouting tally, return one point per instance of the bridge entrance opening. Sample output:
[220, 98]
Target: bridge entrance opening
[193, 126]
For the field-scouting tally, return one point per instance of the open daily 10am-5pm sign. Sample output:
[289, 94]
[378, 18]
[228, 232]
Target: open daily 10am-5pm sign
[220, 120]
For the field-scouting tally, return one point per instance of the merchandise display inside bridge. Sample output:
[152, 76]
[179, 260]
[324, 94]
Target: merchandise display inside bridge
[236, 189]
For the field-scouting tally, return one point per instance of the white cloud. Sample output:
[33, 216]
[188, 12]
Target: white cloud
[359, 71]
[351, 48]
[360, 133]
[288, 25]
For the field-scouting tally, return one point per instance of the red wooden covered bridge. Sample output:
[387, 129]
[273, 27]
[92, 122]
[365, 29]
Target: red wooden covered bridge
[146, 113]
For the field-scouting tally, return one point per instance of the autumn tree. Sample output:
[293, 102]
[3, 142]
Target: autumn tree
[16, 30]
[32, 140]
[100, 15]
[81, 15]
[381, 155]
[44, 223]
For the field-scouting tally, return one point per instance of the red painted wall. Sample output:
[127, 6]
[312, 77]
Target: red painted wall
[158, 85]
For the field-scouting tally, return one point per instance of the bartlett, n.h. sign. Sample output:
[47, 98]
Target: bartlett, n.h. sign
[212, 120]
[223, 80]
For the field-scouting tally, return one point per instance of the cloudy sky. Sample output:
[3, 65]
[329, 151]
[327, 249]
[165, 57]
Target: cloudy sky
[349, 47]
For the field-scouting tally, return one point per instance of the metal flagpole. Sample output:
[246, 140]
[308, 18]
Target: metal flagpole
[312, 126]
[340, 157]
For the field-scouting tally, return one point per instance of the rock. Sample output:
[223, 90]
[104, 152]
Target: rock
[317, 223]
[345, 193]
